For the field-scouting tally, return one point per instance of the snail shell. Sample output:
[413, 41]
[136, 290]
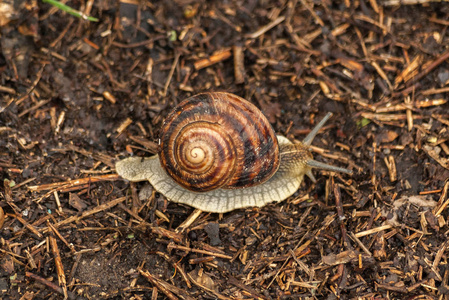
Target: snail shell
[218, 140]
[267, 168]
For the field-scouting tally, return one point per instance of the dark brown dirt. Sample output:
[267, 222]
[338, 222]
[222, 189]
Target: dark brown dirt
[77, 95]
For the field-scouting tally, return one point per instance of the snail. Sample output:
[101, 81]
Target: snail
[218, 152]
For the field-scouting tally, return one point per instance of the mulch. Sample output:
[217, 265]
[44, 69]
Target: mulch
[76, 96]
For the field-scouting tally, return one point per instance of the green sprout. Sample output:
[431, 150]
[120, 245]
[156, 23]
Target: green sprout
[70, 10]
[363, 122]
[172, 36]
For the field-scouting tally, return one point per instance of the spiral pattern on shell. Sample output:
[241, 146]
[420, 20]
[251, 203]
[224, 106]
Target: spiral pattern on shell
[214, 140]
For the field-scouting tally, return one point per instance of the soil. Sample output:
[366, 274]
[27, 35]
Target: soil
[78, 95]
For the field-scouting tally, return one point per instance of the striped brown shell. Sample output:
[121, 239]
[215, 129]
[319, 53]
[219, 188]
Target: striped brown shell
[218, 140]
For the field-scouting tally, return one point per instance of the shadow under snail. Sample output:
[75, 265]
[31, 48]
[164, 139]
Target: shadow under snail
[218, 152]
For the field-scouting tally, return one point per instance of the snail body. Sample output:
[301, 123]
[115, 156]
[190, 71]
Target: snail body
[218, 153]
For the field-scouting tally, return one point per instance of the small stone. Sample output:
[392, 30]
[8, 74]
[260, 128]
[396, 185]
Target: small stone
[213, 232]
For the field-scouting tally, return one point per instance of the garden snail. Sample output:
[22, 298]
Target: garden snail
[218, 152]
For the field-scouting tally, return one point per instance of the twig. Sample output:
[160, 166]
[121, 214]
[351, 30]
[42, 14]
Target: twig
[374, 230]
[187, 222]
[213, 59]
[265, 28]
[59, 266]
[239, 65]
[341, 217]
[438, 61]
[95, 210]
[408, 2]
[71, 183]
[34, 107]
[442, 203]
[183, 248]
[165, 287]
[53, 286]
[170, 75]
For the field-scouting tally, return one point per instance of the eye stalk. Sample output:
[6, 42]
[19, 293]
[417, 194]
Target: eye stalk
[316, 164]
[309, 138]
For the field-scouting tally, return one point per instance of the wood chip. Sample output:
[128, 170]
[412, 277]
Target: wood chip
[216, 57]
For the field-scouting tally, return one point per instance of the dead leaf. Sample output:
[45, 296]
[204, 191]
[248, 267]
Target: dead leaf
[386, 137]
[7, 264]
[202, 279]
[340, 258]
[417, 200]
[421, 201]
[434, 152]
[7, 12]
